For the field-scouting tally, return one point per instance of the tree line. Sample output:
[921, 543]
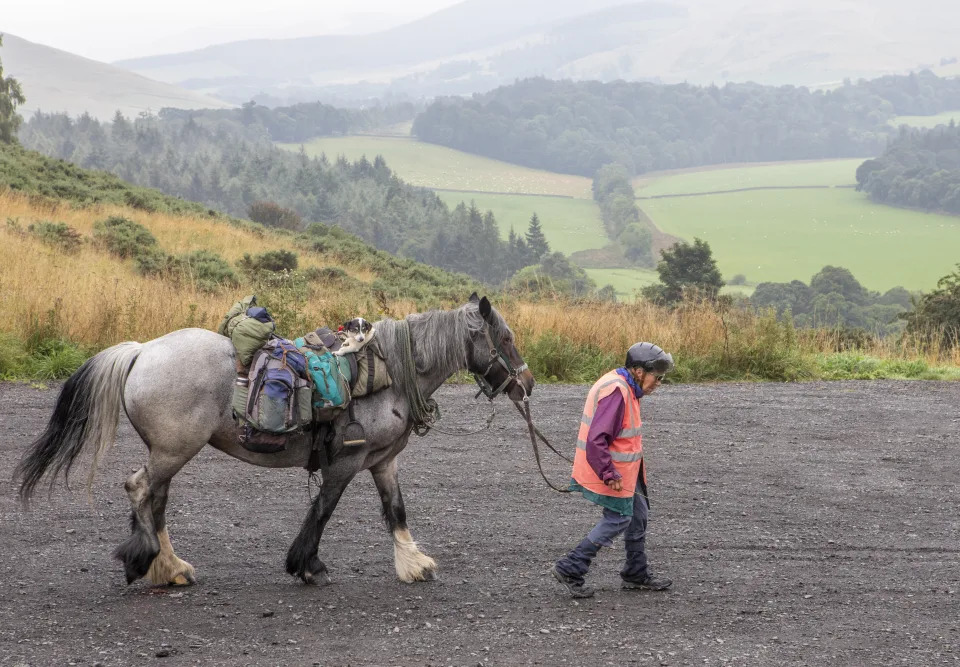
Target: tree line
[298, 122]
[577, 127]
[919, 169]
[834, 297]
[624, 222]
[213, 164]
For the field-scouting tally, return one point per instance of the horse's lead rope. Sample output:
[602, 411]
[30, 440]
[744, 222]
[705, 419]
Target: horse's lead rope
[525, 412]
[534, 433]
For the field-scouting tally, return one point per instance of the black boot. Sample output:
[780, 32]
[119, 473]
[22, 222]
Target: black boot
[636, 574]
[571, 569]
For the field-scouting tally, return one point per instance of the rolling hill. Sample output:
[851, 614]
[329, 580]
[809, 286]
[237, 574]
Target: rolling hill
[477, 45]
[54, 81]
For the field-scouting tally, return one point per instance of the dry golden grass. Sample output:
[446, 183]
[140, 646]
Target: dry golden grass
[99, 300]
[614, 327]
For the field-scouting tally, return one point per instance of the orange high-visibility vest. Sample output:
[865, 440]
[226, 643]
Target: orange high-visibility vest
[626, 450]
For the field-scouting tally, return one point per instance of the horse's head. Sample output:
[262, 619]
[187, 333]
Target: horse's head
[493, 357]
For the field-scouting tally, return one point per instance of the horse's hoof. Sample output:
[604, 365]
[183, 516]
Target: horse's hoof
[429, 575]
[317, 578]
[315, 573]
[183, 580]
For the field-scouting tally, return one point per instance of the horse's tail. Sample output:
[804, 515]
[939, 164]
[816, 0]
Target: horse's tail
[87, 413]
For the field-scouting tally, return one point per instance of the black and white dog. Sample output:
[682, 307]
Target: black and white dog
[355, 334]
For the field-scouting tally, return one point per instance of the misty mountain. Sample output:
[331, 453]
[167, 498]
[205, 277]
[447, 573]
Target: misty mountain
[477, 45]
[57, 81]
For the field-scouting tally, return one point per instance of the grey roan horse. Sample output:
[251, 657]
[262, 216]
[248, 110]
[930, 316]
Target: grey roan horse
[177, 390]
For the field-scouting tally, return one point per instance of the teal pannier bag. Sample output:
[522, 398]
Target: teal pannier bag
[331, 376]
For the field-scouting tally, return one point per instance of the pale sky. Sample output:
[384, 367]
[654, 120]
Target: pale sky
[109, 30]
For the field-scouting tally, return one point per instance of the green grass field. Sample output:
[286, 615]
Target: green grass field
[568, 224]
[785, 174]
[927, 121]
[439, 167]
[782, 235]
[778, 235]
[625, 281]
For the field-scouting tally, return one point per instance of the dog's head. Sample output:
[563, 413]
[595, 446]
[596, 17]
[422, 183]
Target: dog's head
[358, 328]
[355, 334]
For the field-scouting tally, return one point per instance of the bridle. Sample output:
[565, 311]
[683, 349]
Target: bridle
[498, 356]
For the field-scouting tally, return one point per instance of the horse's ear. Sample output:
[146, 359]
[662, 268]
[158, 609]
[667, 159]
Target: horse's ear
[485, 308]
[474, 298]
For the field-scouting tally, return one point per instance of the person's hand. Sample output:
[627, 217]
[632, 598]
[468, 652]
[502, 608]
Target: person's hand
[615, 484]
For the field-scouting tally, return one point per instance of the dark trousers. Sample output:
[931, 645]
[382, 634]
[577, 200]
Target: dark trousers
[634, 530]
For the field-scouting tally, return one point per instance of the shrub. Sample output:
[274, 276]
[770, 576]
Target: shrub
[14, 226]
[206, 269]
[273, 215]
[738, 279]
[144, 200]
[558, 359]
[123, 237]
[13, 356]
[326, 274]
[60, 235]
[152, 261]
[54, 360]
[272, 261]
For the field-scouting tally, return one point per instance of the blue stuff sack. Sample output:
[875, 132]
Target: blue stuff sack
[330, 375]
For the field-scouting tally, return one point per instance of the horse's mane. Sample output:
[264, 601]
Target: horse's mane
[439, 339]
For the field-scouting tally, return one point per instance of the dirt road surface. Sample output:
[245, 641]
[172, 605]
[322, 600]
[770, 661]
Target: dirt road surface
[813, 524]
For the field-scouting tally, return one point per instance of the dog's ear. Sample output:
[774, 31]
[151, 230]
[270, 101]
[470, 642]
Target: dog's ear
[474, 298]
[365, 326]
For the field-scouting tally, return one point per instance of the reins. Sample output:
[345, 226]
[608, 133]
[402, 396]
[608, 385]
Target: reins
[426, 413]
[534, 432]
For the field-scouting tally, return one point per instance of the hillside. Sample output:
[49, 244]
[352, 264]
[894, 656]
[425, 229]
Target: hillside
[55, 81]
[337, 265]
[477, 45]
[66, 291]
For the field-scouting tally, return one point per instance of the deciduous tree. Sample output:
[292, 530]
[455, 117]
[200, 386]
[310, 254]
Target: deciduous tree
[11, 96]
[686, 270]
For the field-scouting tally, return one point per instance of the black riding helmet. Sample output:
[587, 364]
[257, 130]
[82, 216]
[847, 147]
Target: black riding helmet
[649, 357]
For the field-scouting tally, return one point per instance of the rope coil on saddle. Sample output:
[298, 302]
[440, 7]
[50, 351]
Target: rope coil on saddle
[424, 411]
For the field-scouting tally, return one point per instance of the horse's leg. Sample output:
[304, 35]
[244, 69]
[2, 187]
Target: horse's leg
[411, 564]
[138, 551]
[302, 558]
[166, 568]
[149, 541]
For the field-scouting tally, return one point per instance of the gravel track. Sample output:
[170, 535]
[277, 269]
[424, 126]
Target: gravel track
[802, 524]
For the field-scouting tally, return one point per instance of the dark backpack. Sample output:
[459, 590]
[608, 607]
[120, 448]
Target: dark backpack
[278, 395]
